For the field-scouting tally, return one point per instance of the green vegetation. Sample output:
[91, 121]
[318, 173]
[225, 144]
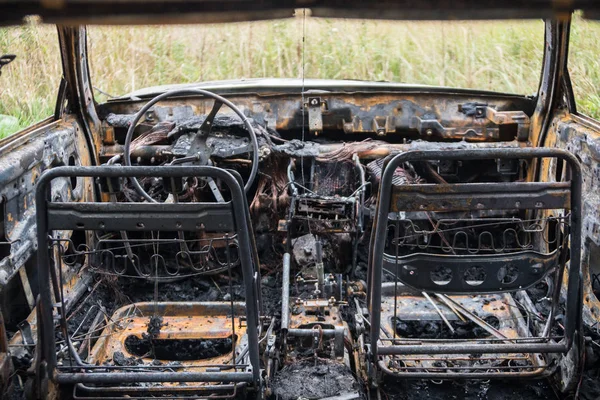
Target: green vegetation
[492, 55]
[28, 85]
[584, 66]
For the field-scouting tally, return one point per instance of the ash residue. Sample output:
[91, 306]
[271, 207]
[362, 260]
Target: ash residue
[177, 350]
[336, 251]
[271, 295]
[297, 148]
[100, 296]
[441, 274]
[195, 288]
[122, 361]
[589, 387]
[540, 296]
[307, 381]
[120, 120]
[154, 326]
[467, 390]
[439, 330]
[304, 250]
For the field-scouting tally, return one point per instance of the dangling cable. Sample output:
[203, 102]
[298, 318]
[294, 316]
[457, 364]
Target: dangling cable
[302, 93]
[303, 106]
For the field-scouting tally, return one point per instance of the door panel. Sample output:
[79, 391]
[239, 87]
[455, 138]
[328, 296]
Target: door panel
[23, 158]
[581, 136]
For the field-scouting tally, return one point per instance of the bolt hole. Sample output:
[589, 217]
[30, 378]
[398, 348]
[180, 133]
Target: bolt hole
[475, 275]
[441, 275]
[508, 274]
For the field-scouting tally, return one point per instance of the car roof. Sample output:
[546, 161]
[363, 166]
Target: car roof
[126, 12]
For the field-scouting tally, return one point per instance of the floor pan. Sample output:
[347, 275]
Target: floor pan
[193, 335]
[418, 320]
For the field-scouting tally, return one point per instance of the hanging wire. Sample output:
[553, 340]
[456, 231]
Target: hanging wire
[303, 106]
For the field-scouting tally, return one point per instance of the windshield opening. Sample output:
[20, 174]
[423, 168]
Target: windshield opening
[499, 56]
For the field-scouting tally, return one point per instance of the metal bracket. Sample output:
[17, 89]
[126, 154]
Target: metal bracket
[429, 127]
[510, 117]
[339, 341]
[418, 270]
[507, 167]
[383, 125]
[482, 110]
[315, 116]
[215, 190]
[476, 110]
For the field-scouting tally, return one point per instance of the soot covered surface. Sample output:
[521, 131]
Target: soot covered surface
[468, 390]
[177, 349]
[305, 380]
[438, 329]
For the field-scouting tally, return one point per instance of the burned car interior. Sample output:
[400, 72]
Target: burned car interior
[288, 239]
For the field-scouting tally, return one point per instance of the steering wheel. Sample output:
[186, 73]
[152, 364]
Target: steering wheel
[205, 128]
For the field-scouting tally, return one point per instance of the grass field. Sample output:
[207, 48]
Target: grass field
[500, 56]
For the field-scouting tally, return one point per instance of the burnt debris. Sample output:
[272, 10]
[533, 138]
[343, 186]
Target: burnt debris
[335, 273]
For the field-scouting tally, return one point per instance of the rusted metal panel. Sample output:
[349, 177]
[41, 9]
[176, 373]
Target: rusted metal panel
[384, 342]
[183, 324]
[455, 366]
[481, 196]
[22, 161]
[581, 136]
[181, 321]
[378, 113]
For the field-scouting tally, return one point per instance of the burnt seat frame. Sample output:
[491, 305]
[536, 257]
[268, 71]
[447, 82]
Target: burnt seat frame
[434, 197]
[233, 216]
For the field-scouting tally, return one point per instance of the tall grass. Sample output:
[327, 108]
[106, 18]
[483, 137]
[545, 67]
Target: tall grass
[584, 66]
[485, 55]
[498, 55]
[28, 85]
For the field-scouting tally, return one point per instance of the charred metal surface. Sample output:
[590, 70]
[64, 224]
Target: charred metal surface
[158, 270]
[582, 137]
[373, 114]
[332, 192]
[417, 320]
[434, 267]
[318, 321]
[422, 271]
[191, 322]
[169, 320]
[329, 200]
[465, 197]
[207, 217]
[73, 43]
[470, 272]
[6, 366]
[22, 164]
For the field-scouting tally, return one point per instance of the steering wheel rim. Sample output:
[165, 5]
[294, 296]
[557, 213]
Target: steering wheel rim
[126, 151]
